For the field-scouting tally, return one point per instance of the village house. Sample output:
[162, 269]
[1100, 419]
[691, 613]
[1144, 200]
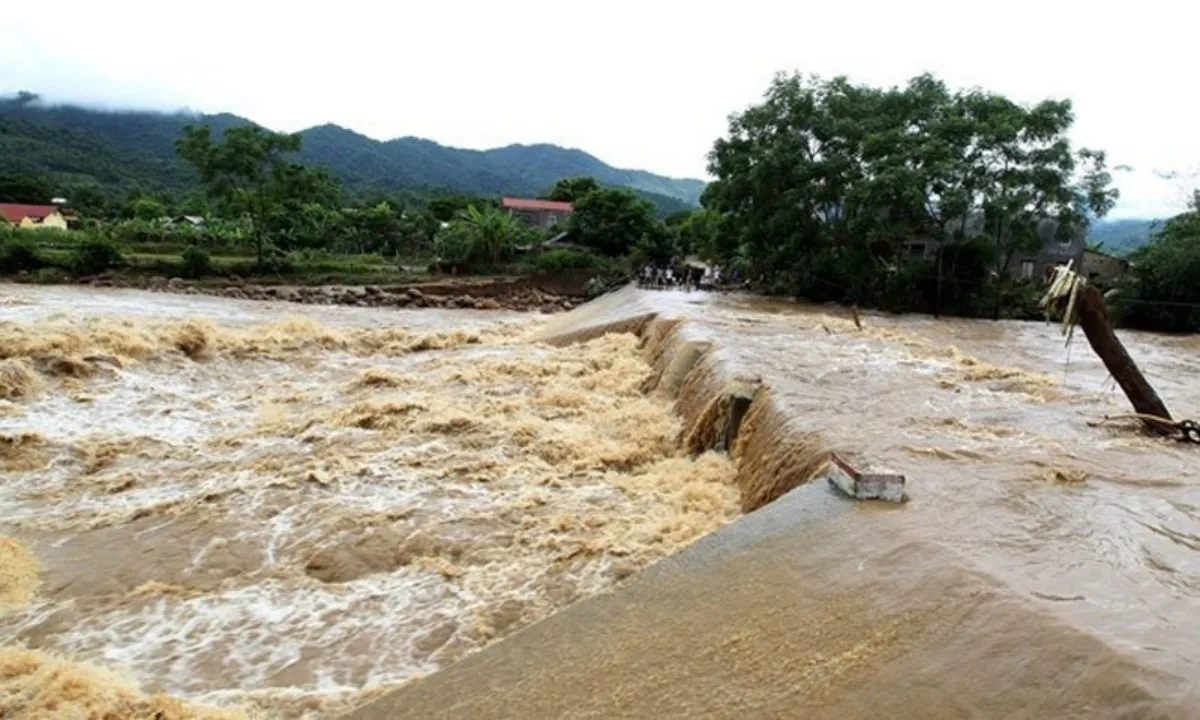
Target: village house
[1057, 248]
[1100, 267]
[32, 216]
[538, 213]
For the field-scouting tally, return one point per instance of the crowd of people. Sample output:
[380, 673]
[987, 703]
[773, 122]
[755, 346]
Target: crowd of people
[686, 277]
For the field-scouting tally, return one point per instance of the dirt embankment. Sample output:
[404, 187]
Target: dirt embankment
[518, 294]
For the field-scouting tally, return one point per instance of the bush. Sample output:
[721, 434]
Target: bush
[196, 263]
[563, 259]
[19, 252]
[95, 255]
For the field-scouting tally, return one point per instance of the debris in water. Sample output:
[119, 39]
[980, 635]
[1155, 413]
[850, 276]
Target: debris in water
[19, 574]
[864, 485]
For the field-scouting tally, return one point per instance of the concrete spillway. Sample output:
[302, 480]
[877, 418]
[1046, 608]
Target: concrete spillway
[1028, 577]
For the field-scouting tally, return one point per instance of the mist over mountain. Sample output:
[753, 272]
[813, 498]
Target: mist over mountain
[136, 148]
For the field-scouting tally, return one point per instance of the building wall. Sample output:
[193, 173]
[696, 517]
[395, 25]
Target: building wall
[540, 218]
[54, 220]
[1102, 267]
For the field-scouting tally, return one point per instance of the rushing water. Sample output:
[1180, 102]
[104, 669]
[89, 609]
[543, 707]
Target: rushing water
[994, 425]
[295, 514]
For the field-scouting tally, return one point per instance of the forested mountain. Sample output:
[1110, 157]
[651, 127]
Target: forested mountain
[137, 149]
[1121, 237]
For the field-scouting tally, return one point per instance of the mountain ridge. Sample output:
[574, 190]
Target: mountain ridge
[137, 146]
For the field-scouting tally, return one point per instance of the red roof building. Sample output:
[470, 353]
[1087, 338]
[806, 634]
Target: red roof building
[538, 213]
[15, 212]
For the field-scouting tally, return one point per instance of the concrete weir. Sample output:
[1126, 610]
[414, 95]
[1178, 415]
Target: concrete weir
[810, 605]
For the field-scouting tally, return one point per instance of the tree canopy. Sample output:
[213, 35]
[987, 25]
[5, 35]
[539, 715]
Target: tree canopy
[827, 185]
[248, 171]
[572, 189]
[611, 221]
[1161, 289]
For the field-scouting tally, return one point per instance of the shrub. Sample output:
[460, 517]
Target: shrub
[19, 252]
[95, 255]
[196, 263]
[563, 259]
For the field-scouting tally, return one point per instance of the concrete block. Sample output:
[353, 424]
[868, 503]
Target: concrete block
[864, 485]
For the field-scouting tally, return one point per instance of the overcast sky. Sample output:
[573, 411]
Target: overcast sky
[644, 84]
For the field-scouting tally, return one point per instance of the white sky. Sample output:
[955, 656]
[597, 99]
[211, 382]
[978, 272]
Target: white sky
[644, 84]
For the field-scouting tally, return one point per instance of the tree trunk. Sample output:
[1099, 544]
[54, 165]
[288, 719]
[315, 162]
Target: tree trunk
[937, 307]
[1093, 318]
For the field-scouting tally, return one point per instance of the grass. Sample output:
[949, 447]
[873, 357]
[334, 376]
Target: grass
[57, 254]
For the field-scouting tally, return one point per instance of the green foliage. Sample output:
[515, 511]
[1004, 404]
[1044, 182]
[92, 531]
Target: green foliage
[612, 221]
[148, 208]
[96, 255]
[447, 207]
[572, 189]
[248, 173]
[1161, 289]
[25, 189]
[699, 233]
[18, 251]
[564, 259]
[454, 244]
[196, 263]
[479, 238]
[824, 186]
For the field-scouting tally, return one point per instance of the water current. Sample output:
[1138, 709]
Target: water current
[289, 512]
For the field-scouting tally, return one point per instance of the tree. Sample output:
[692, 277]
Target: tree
[572, 189]
[827, 188]
[480, 237]
[247, 171]
[699, 233]
[25, 189]
[148, 208]
[612, 221]
[1161, 289]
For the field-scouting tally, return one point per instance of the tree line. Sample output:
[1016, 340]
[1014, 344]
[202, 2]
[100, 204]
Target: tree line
[908, 198]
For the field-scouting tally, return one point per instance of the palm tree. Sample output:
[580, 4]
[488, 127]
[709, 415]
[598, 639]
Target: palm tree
[494, 233]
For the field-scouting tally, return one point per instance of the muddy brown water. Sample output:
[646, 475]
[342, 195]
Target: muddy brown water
[299, 514]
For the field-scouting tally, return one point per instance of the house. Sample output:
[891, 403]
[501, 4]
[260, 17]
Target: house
[1057, 248]
[537, 213]
[1102, 268]
[32, 216]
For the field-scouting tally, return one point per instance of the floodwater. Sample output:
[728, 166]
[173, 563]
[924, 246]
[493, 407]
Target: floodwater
[283, 514]
[994, 424]
[297, 514]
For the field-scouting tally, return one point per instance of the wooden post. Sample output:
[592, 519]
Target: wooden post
[1093, 318]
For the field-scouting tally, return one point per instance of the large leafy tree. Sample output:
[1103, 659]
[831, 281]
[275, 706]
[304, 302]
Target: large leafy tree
[826, 186]
[249, 172]
[612, 221]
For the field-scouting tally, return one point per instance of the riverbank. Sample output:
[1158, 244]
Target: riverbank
[546, 293]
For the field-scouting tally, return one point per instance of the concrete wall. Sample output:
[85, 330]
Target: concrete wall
[1098, 266]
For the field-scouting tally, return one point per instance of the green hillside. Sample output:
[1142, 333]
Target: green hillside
[1121, 237]
[128, 149]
